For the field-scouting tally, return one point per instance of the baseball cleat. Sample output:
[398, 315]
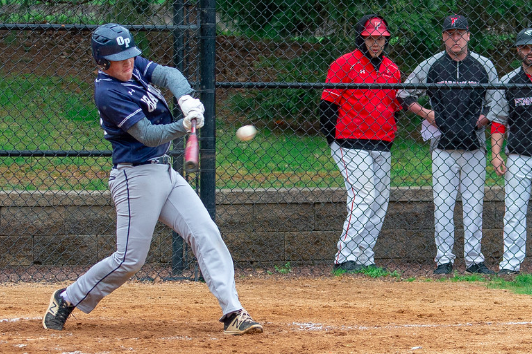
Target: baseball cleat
[505, 271]
[57, 312]
[446, 268]
[240, 322]
[479, 268]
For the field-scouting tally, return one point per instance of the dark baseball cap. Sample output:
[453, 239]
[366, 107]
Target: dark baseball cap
[524, 37]
[455, 22]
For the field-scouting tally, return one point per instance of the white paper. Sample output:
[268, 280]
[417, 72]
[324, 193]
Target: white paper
[428, 131]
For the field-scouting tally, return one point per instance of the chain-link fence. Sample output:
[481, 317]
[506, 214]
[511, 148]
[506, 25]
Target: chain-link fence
[340, 172]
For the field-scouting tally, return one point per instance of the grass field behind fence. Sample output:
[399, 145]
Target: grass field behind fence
[53, 113]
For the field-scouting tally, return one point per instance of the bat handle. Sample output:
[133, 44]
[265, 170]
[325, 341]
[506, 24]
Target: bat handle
[193, 126]
[191, 149]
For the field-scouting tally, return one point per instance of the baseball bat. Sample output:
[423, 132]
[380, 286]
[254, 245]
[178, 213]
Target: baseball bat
[192, 149]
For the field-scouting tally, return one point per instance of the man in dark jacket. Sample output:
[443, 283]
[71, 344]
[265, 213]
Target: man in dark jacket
[513, 113]
[458, 146]
[360, 127]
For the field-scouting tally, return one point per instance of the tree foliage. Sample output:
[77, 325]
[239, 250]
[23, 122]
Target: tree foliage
[415, 26]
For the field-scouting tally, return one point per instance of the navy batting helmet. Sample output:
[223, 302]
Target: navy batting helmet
[112, 42]
[524, 37]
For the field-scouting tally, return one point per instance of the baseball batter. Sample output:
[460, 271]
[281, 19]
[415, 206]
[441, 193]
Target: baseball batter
[145, 188]
[513, 114]
[360, 128]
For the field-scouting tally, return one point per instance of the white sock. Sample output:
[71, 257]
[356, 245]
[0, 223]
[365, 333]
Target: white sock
[64, 295]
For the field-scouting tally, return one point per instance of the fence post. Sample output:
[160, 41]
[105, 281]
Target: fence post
[207, 85]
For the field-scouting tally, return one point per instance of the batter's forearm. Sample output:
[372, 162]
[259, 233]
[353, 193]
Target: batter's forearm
[153, 135]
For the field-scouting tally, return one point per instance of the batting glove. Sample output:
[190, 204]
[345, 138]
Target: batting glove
[193, 115]
[189, 104]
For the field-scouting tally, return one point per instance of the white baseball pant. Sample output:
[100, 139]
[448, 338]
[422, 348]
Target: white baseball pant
[453, 170]
[142, 195]
[367, 180]
[518, 179]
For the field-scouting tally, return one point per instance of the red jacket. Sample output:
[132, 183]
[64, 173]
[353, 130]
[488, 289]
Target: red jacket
[363, 113]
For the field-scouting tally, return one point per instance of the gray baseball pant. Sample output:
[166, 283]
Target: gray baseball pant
[142, 195]
[517, 195]
[454, 170]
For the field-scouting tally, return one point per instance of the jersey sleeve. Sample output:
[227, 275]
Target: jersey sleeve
[418, 76]
[498, 128]
[397, 79]
[119, 109]
[491, 95]
[500, 110]
[336, 74]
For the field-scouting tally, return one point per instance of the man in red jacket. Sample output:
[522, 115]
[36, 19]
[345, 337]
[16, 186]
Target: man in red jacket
[360, 127]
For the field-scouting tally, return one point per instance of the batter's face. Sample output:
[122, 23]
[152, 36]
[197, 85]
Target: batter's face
[121, 70]
[525, 53]
[375, 45]
[456, 41]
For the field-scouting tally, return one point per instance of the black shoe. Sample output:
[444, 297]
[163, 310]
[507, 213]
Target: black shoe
[479, 268]
[446, 268]
[508, 272]
[349, 266]
[57, 312]
[240, 322]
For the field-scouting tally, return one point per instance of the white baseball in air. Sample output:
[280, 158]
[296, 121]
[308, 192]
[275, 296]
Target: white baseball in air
[246, 132]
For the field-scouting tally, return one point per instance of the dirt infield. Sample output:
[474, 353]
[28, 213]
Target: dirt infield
[303, 315]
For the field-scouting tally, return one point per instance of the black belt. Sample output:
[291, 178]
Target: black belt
[163, 160]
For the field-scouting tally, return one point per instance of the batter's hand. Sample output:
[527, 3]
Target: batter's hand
[193, 115]
[498, 165]
[189, 104]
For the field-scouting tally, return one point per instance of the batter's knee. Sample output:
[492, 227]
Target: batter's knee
[129, 265]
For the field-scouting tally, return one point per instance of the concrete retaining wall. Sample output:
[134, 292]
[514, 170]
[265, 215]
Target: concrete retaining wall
[258, 226]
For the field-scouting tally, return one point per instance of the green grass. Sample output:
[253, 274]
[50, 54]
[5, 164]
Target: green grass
[372, 272]
[522, 284]
[284, 269]
[50, 113]
[58, 113]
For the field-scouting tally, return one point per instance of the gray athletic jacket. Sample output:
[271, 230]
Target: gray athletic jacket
[456, 110]
[513, 109]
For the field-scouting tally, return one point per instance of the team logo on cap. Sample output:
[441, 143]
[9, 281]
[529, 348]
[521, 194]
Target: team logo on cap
[453, 21]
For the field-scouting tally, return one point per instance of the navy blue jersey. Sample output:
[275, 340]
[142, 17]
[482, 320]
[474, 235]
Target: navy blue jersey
[123, 104]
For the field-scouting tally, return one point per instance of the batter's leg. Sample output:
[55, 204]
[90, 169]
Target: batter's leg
[185, 213]
[139, 194]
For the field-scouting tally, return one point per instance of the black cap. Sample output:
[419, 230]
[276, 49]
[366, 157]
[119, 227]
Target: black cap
[524, 37]
[455, 22]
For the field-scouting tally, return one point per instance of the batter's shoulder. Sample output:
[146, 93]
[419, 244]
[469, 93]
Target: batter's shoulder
[109, 92]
